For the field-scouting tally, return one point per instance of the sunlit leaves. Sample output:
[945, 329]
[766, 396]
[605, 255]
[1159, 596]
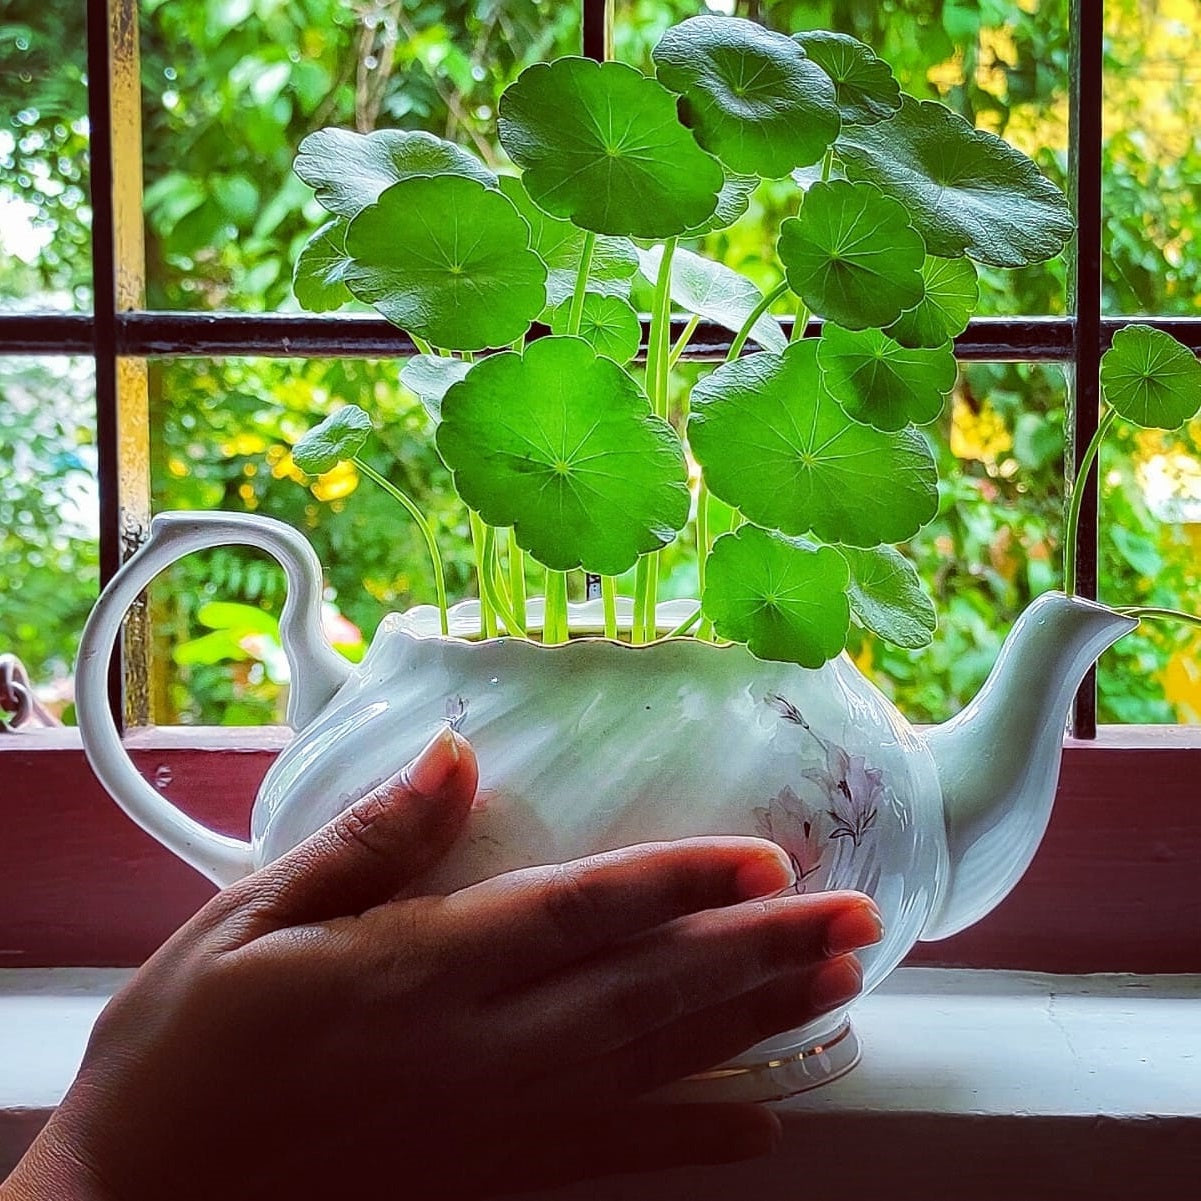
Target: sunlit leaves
[338, 438]
[448, 260]
[318, 278]
[607, 323]
[1150, 379]
[774, 445]
[349, 170]
[864, 86]
[882, 383]
[560, 443]
[852, 255]
[967, 191]
[428, 376]
[602, 146]
[786, 600]
[888, 597]
[950, 292]
[752, 96]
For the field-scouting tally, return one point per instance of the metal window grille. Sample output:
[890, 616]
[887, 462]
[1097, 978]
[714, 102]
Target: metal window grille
[120, 334]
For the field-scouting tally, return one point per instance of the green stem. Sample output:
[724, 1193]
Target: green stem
[482, 568]
[609, 597]
[423, 525]
[1079, 486]
[639, 623]
[657, 352]
[1154, 612]
[827, 164]
[757, 312]
[702, 536]
[682, 341]
[686, 624]
[800, 322]
[554, 624]
[422, 345]
[517, 581]
[493, 585]
[581, 284]
[705, 633]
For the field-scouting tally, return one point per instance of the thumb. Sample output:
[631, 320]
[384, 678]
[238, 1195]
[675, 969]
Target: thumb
[370, 851]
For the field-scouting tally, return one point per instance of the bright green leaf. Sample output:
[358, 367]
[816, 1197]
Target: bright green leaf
[852, 256]
[949, 296]
[317, 279]
[448, 260]
[882, 383]
[561, 444]
[349, 170]
[1150, 379]
[774, 445]
[751, 96]
[864, 86]
[786, 600]
[602, 146]
[967, 191]
[888, 596]
[714, 291]
[338, 438]
[428, 376]
[608, 324]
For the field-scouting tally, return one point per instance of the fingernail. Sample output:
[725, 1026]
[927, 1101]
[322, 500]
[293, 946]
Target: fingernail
[859, 926]
[434, 765]
[767, 873]
[836, 983]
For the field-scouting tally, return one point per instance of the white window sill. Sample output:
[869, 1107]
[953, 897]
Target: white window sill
[975, 1084]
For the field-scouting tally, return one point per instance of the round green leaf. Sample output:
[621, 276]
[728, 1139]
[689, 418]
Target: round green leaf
[428, 376]
[864, 86]
[882, 383]
[608, 324]
[349, 170]
[1150, 379]
[602, 146]
[559, 245]
[786, 600]
[448, 260]
[560, 443]
[732, 201]
[774, 445]
[967, 191]
[338, 438]
[888, 596]
[317, 279]
[852, 256]
[949, 296]
[752, 96]
[715, 292]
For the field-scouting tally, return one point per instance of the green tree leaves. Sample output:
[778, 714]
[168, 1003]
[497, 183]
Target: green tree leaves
[1150, 379]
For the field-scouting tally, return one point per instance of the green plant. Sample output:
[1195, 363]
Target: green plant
[813, 444]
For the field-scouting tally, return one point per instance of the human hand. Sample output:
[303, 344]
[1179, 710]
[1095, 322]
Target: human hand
[308, 1035]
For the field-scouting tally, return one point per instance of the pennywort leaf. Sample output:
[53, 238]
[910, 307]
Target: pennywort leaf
[318, 281]
[338, 438]
[1150, 379]
[888, 597]
[950, 292]
[428, 376]
[864, 87]
[608, 324]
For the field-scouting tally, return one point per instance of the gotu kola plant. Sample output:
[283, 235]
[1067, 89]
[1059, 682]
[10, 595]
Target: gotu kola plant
[562, 448]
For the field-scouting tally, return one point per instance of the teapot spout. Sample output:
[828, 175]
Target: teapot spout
[998, 760]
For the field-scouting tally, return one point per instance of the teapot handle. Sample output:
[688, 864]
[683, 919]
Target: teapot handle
[317, 670]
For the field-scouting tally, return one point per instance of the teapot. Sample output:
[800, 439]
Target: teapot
[594, 744]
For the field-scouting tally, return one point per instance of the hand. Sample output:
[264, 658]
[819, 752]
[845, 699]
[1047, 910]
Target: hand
[308, 1035]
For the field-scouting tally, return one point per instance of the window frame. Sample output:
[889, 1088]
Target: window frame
[1097, 872]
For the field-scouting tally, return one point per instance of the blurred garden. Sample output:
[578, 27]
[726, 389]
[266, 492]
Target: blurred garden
[230, 87]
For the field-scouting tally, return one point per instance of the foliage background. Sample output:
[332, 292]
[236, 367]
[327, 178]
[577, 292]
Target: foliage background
[231, 86]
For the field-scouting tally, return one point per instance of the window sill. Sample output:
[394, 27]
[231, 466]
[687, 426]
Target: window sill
[1013, 1084]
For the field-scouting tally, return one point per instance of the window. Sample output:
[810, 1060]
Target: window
[138, 328]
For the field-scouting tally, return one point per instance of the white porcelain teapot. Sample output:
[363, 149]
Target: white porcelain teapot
[593, 744]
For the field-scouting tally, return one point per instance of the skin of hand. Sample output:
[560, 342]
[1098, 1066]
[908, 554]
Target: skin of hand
[307, 1034]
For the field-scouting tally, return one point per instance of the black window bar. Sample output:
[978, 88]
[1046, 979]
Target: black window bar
[111, 333]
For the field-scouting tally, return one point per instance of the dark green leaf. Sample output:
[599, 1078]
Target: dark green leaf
[608, 324]
[949, 297]
[338, 438]
[560, 443]
[851, 255]
[448, 260]
[888, 596]
[774, 445]
[786, 600]
[967, 191]
[864, 87]
[1150, 379]
[752, 96]
[317, 280]
[428, 376]
[602, 146]
[732, 201]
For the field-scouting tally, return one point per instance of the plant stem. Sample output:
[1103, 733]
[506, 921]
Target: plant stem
[827, 164]
[657, 352]
[422, 345]
[554, 623]
[609, 597]
[638, 624]
[1079, 484]
[800, 322]
[757, 312]
[702, 536]
[423, 525]
[686, 624]
[682, 341]
[493, 586]
[1154, 612]
[517, 581]
[482, 568]
[576, 312]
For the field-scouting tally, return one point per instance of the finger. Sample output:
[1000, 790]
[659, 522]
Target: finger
[531, 922]
[366, 854]
[695, 963]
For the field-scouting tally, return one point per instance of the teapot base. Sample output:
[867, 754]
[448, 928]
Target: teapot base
[775, 1071]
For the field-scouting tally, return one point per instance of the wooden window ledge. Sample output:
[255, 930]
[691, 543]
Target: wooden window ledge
[979, 1084]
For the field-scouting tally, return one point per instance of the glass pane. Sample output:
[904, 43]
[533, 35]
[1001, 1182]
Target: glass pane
[49, 561]
[1152, 162]
[1003, 66]
[231, 89]
[45, 221]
